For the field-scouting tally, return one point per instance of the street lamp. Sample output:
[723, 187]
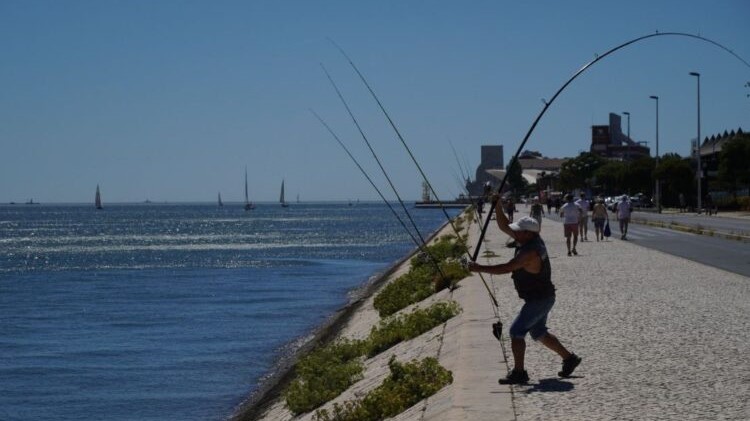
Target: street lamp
[627, 150]
[658, 190]
[698, 152]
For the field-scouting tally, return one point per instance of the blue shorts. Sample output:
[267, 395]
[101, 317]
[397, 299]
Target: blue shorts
[532, 319]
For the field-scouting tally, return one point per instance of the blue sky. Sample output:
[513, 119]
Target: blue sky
[170, 100]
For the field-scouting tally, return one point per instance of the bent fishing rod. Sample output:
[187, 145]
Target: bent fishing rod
[385, 173]
[419, 167]
[547, 104]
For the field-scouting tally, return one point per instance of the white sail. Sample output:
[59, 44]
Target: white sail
[98, 198]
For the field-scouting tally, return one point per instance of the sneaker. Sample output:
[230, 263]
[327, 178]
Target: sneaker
[569, 254]
[575, 252]
[515, 377]
[569, 364]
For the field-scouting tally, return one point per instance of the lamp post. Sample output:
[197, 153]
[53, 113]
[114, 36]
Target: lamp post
[657, 190]
[627, 150]
[698, 151]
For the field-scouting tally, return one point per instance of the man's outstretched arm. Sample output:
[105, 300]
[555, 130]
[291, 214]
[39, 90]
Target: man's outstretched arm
[523, 260]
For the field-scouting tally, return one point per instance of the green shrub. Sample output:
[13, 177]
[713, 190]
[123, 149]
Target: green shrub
[324, 374]
[423, 279]
[406, 385]
[329, 370]
[402, 328]
[412, 287]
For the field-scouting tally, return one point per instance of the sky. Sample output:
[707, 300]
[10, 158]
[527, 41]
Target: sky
[170, 100]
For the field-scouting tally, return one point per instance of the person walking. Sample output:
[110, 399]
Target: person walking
[583, 224]
[532, 277]
[511, 208]
[623, 210]
[571, 214]
[537, 211]
[599, 215]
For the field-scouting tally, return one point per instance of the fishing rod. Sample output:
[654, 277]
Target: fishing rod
[547, 104]
[462, 184]
[372, 151]
[464, 172]
[419, 167]
[372, 183]
[398, 133]
[385, 173]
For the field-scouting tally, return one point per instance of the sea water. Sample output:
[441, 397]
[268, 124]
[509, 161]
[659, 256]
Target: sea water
[172, 312]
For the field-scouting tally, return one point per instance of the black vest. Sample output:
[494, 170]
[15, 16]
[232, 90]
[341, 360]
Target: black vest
[531, 286]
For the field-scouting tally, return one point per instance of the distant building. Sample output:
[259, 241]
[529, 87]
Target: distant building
[710, 150]
[492, 159]
[539, 170]
[532, 168]
[610, 142]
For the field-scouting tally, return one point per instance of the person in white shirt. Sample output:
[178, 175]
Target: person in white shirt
[571, 214]
[583, 224]
[623, 210]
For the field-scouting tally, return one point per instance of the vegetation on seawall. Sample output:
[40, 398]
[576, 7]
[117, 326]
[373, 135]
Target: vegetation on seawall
[274, 386]
[329, 370]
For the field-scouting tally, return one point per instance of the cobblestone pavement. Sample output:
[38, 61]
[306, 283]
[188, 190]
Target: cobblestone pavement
[661, 337]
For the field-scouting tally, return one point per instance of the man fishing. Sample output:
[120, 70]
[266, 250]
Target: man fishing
[532, 277]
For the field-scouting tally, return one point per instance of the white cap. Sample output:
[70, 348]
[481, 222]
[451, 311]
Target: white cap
[526, 223]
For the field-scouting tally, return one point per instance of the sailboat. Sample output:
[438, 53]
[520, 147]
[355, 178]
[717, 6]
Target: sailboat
[281, 197]
[220, 202]
[98, 198]
[248, 205]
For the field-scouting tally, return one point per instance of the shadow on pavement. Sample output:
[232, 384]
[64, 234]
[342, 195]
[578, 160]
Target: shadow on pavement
[550, 385]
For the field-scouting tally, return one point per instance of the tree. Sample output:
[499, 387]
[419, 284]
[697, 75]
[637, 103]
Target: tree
[677, 176]
[579, 171]
[639, 175]
[515, 176]
[610, 177]
[734, 170]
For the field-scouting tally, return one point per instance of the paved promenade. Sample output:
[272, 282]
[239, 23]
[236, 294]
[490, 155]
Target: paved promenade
[661, 337]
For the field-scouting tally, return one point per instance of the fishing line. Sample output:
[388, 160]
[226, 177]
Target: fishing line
[565, 85]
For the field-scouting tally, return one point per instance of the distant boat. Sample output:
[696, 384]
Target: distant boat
[32, 202]
[248, 205]
[281, 197]
[98, 198]
[220, 203]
